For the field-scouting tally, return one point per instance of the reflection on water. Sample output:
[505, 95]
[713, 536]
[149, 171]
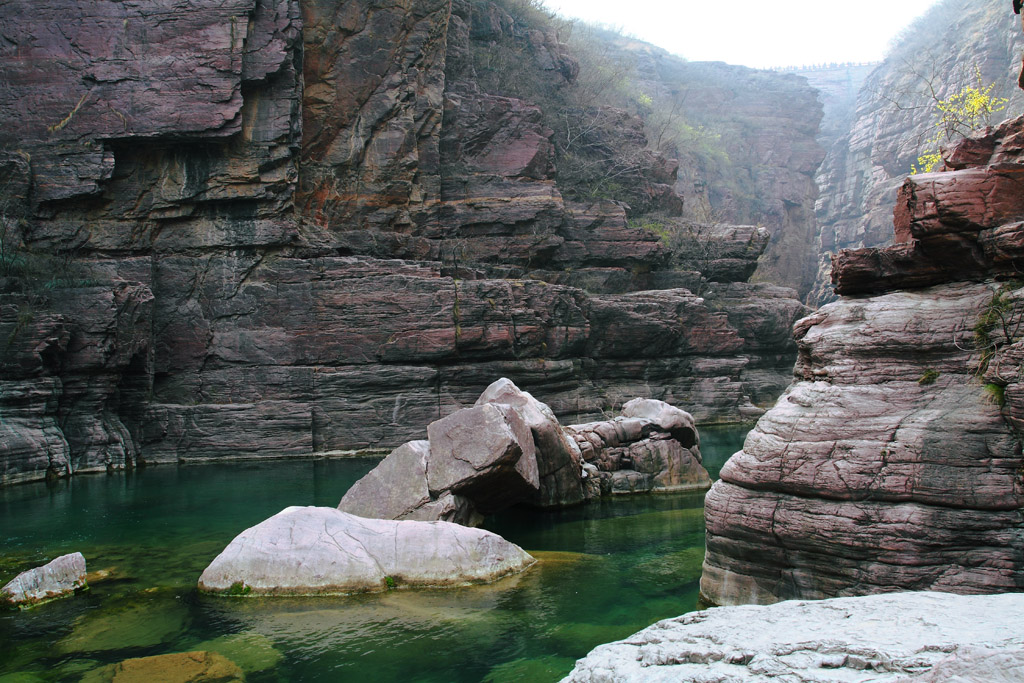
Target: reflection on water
[605, 570]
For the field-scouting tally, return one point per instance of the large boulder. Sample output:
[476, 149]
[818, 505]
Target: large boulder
[323, 551]
[485, 453]
[892, 637]
[57, 579]
[559, 461]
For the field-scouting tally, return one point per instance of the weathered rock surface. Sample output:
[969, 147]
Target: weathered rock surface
[397, 489]
[850, 485]
[183, 667]
[475, 461]
[321, 241]
[57, 579]
[893, 637]
[486, 453]
[323, 551]
[961, 223]
[559, 461]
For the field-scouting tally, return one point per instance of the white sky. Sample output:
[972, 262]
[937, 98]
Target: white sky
[757, 34]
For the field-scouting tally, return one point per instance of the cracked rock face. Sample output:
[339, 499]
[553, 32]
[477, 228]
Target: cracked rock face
[323, 551]
[559, 460]
[901, 637]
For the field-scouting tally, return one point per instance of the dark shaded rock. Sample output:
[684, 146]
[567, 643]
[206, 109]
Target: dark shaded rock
[57, 579]
[76, 367]
[499, 135]
[219, 298]
[372, 110]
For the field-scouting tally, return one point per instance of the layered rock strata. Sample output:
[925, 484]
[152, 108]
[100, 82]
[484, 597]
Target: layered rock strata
[319, 241]
[893, 462]
[322, 551]
[906, 637]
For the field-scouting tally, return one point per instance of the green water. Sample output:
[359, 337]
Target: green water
[606, 570]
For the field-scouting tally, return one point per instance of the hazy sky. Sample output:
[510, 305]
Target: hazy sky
[758, 34]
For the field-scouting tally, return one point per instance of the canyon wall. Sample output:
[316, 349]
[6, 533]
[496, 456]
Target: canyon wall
[274, 228]
[950, 47]
[894, 461]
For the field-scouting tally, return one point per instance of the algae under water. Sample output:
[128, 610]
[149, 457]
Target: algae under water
[606, 570]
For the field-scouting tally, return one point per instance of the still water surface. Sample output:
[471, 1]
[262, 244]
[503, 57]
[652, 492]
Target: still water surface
[606, 570]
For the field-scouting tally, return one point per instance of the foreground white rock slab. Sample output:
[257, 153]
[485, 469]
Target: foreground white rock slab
[58, 579]
[908, 637]
[323, 551]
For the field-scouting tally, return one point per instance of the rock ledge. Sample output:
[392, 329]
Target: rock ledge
[891, 637]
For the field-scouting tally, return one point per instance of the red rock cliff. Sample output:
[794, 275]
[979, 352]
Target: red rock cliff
[894, 460]
[279, 227]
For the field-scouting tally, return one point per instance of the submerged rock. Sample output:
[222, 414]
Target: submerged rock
[252, 652]
[182, 667]
[323, 551]
[134, 623]
[57, 579]
[892, 637]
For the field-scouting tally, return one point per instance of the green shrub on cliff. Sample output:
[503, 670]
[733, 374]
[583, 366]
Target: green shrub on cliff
[969, 108]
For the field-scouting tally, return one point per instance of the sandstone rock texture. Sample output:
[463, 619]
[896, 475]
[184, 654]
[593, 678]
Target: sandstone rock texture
[901, 637]
[894, 460]
[323, 551]
[866, 165]
[510, 449]
[283, 227]
[57, 579]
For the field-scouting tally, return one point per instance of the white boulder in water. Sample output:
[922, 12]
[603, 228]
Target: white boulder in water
[323, 551]
[60, 578]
